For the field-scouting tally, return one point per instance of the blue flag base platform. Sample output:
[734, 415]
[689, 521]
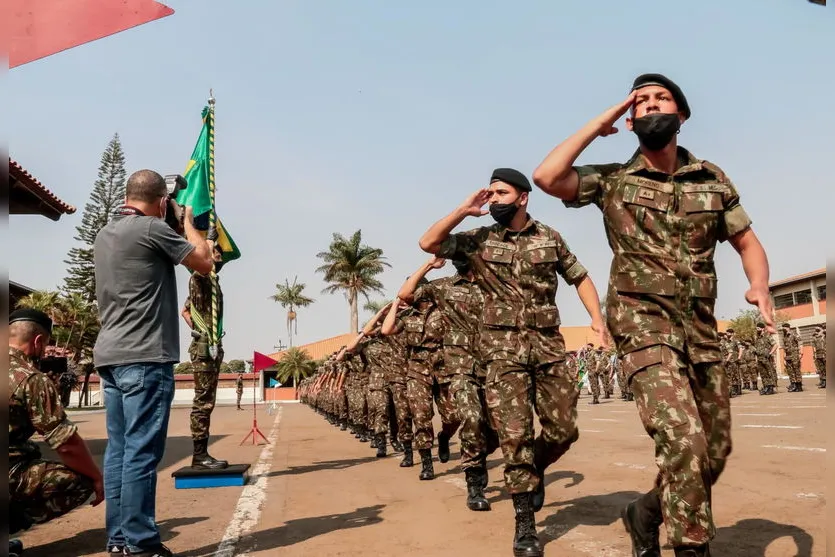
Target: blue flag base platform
[191, 478]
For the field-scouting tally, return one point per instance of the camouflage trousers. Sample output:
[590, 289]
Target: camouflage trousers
[447, 407]
[478, 439]
[734, 374]
[206, 374]
[767, 373]
[357, 405]
[749, 372]
[402, 411]
[239, 394]
[623, 384]
[378, 402]
[793, 370]
[514, 393]
[40, 491]
[685, 408]
[342, 404]
[597, 377]
[419, 395]
[820, 366]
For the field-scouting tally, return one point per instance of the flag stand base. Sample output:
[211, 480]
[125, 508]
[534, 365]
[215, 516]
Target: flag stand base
[255, 433]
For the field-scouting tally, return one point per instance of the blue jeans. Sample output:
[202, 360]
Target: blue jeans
[137, 400]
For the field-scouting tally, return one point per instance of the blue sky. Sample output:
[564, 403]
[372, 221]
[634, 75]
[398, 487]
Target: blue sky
[334, 116]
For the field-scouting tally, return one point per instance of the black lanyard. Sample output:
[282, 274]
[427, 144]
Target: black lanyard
[128, 210]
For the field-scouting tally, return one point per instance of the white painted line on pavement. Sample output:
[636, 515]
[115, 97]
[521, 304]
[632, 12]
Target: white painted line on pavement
[621, 412]
[248, 510]
[789, 448]
[631, 466]
[591, 431]
[775, 426]
[792, 407]
[759, 414]
[604, 420]
[807, 495]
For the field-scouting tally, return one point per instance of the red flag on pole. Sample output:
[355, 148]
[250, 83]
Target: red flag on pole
[39, 28]
[260, 361]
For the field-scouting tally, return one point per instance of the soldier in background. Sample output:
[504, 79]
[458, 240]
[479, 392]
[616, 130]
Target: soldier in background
[41, 490]
[732, 363]
[819, 346]
[764, 349]
[748, 362]
[594, 365]
[205, 357]
[791, 345]
[239, 388]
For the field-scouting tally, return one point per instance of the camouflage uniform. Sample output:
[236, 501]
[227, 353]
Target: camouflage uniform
[663, 230]
[358, 403]
[763, 344]
[791, 344]
[378, 389]
[734, 370]
[206, 369]
[749, 365]
[39, 490]
[239, 389]
[461, 303]
[819, 345]
[395, 365]
[520, 342]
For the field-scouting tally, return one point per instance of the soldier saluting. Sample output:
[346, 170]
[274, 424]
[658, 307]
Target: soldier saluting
[516, 262]
[664, 211]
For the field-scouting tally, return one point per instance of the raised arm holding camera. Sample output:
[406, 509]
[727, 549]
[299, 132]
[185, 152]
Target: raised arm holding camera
[135, 256]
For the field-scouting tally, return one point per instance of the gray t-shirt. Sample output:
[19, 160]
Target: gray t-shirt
[136, 287]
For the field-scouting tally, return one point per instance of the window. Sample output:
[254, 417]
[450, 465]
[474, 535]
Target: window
[783, 301]
[822, 292]
[803, 297]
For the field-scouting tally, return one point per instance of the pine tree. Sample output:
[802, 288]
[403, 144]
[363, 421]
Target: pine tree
[107, 195]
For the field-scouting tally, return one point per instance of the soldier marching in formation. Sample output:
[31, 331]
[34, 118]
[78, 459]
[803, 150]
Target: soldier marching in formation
[484, 344]
[819, 346]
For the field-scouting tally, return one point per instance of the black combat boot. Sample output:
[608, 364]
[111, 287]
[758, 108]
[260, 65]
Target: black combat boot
[396, 445]
[343, 424]
[753, 385]
[15, 548]
[203, 460]
[363, 435]
[485, 480]
[427, 472]
[799, 386]
[408, 456]
[594, 400]
[381, 445]
[373, 438]
[697, 551]
[642, 519]
[443, 447]
[792, 387]
[525, 542]
[475, 490]
[822, 384]
[630, 397]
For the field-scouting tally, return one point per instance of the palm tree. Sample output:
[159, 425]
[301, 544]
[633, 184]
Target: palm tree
[352, 268]
[47, 301]
[373, 306]
[294, 366]
[290, 297]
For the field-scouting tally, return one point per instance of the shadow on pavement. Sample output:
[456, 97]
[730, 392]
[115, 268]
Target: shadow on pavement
[295, 531]
[750, 538]
[324, 465]
[92, 542]
[593, 510]
[502, 495]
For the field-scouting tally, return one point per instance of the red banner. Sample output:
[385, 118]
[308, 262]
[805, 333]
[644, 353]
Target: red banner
[39, 28]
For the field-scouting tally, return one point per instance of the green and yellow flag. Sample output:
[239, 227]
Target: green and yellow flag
[199, 194]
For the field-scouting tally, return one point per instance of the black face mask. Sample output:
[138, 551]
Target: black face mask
[656, 130]
[503, 213]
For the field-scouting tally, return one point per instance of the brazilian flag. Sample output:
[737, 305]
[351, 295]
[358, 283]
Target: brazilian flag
[197, 194]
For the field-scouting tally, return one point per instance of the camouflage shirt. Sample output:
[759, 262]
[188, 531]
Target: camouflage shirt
[819, 345]
[791, 343]
[200, 297]
[34, 407]
[762, 347]
[461, 303]
[517, 273]
[663, 230]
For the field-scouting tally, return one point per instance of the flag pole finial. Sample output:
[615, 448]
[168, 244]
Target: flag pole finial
[211, 97]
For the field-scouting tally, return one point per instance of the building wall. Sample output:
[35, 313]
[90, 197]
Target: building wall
[807, 310]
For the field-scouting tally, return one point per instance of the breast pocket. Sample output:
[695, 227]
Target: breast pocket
[542, 260]
[703, 206]
[648, 209]
[498, 261]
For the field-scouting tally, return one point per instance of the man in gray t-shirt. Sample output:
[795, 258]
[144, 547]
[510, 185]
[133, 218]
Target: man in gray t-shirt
[135, 256]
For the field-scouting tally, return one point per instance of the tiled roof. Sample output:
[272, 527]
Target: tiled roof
[320, 349]
[812, 274]
[38, 189]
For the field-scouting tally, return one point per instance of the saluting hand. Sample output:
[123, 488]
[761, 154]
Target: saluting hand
[613, 114]
[472, 206]
[437, 262]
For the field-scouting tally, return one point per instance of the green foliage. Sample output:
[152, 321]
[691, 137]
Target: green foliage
[107, 195]
[224, 368]
[183, 368]
[745, 323]
[294, 366]
[75, 321]
[352, 268]
[237, 366]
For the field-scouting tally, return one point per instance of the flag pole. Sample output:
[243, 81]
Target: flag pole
[212, 219]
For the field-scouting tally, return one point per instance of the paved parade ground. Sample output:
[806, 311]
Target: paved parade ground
[318, 491]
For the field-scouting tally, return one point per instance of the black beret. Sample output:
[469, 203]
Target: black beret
[512, 177]
[658, 79]
[33, 315]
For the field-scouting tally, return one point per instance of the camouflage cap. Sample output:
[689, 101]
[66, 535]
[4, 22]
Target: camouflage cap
[663, 81]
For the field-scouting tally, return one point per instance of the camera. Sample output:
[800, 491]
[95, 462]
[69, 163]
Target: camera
[175, 215]
[53, 366]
